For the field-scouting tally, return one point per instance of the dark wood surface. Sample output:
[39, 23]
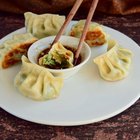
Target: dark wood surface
[123, 126]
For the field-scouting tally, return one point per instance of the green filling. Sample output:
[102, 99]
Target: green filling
[49, 61]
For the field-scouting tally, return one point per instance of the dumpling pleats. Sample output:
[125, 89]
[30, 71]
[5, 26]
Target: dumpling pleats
[43, 25]
[37, 82]
[114, 65]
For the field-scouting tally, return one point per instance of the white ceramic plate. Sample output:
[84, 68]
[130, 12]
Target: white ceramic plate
[85, 98]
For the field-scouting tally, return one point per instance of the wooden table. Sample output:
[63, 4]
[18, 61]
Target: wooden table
[123, 126]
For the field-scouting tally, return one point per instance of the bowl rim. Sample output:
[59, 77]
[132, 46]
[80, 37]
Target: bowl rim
[66, 69]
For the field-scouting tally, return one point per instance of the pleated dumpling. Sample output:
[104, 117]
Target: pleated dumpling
[37, 82]
[114, 65]
[58, 57]
[95, 35]
[43, 25]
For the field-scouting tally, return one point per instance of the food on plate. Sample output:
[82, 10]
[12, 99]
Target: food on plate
[95, 35]
[12, 49]
[43, 25]
[37, 82]
[58, 57]
[115, 63]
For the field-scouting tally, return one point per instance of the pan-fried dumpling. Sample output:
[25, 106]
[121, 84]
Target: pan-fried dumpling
[58, 57]
[37, 82]
[95, 35]
[12, 49]
[43, 25]
[114, 65]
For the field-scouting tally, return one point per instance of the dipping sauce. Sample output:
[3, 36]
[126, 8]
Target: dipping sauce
[58, 66]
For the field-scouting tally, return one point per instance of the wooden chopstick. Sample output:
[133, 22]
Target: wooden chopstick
[88, 20]
[69, 18]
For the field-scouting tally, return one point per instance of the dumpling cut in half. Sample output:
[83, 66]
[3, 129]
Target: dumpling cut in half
[12, 49]
[58, 57]
[37, 82]
[43, 25]
[95, 35]
[114, 65]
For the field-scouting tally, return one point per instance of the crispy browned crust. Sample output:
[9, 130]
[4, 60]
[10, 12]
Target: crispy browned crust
[10, 59]
[92, 35]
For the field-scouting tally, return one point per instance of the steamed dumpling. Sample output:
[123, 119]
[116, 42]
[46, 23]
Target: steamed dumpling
[95, 35]
[37, 82]
[43, 25]
[114, 65]
[58, 57]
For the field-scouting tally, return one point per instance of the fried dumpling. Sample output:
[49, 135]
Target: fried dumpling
[58, 57]
[95, 35]
[12, 49]
[115, 64]
[37, 82]
[43, 25]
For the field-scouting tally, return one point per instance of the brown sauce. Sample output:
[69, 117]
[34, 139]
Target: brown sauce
[58, 66]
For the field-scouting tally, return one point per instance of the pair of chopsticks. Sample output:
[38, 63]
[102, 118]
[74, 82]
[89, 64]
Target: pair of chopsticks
[69, 18]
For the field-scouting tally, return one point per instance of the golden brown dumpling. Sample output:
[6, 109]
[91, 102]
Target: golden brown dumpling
[12, 49]
[95, 35]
